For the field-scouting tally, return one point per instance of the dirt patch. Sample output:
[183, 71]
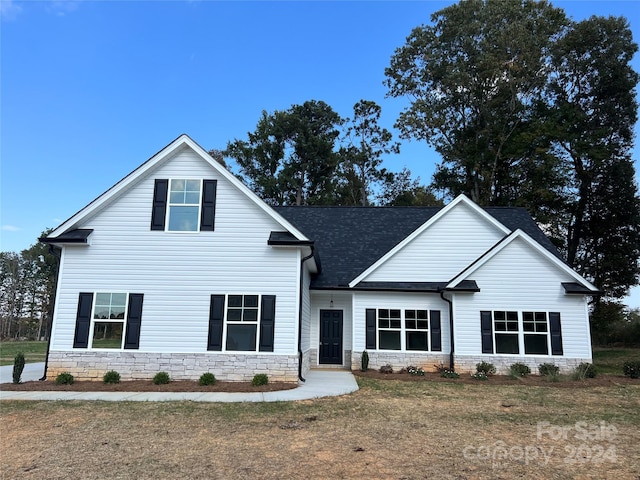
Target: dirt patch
[391, 429]
[532, 380]
[147, 386]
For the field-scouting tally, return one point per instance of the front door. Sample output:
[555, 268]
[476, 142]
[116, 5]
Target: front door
[330, 337]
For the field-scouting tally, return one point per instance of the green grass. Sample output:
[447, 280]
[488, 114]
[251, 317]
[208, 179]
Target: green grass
[609, 361]
[33, 351]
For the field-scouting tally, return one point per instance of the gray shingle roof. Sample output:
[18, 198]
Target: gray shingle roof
[350, 239]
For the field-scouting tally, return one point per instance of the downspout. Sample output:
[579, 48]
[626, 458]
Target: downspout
[451, 366]
[53, 252]
[300, 314]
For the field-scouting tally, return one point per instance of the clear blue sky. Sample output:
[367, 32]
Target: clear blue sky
[91, 89]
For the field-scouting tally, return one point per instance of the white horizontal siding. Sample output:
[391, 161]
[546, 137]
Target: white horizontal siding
[364, 300]
[177, 272]
[520, 279]
[306, 311]
[442, 251]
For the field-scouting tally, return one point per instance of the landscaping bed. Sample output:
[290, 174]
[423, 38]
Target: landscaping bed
[563, 381]
[147, 386]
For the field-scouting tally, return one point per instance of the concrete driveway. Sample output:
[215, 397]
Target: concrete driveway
[32, 371]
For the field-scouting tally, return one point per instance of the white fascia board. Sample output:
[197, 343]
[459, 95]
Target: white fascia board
[182, 141]
[423, 227]
[493, 251]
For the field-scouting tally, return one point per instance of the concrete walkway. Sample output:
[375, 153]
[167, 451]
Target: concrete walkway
[320, 383]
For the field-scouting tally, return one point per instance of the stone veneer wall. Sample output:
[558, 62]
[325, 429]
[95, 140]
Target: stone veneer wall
[467, 364]
[313, 360]
[427, 360]
[180, 366]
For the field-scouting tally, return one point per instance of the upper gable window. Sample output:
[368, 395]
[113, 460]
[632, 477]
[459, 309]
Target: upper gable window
[184, 205]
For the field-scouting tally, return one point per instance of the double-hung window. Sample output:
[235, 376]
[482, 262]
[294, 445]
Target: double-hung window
[109, 320]
[184, 205]
[403, 329]
[417, 329]
[536, 333]
[242, 322]
[515, 333]
[109, 313]
[506, 332]
[389, 329]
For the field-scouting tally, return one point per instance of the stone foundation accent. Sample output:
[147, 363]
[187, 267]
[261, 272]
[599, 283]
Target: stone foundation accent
[467, 364]
[180, 366]
[428, 361]
[313, 359]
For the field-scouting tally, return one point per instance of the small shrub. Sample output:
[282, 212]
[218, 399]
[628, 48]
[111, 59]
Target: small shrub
[584, 370]
[386, 369]
[480, 375]
[548, 370]
[65, 378]
[416, 371]
[446, 373]
[631, 369]
[207, 379]
[486, 368]
[18, 367]
[111, 377]
[519, 370]
[161, 378]
[364, 361]
[260, 379]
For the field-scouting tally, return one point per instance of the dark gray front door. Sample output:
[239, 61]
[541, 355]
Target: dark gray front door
[330, 337]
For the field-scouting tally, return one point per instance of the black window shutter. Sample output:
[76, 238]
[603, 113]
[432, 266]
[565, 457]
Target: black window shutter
[159, 208]
[134, 321]
[436, 331]
[83, 320]
[371, 328]
[208, 208]
[486, 329]
[216, 317]
[267, 322]
[556, 333]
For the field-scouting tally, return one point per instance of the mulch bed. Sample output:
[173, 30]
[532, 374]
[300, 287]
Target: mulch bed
[147, 386]
[532, 380]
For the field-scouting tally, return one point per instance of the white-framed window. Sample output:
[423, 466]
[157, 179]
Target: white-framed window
[515, 332]
[505, 328]
[108, 320]
[535, 328]
[399, 329]
[242, 318]
[183, 214]
[389, 329]
[416, 324]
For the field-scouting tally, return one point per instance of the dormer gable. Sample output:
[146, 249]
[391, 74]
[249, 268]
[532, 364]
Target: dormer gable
[179, 203]
[440, 247]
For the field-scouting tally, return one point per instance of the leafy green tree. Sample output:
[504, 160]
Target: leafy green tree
[592, 107]
[529, 108]
[290, 158]
[472, 79]
[401, 190]
[361, 156]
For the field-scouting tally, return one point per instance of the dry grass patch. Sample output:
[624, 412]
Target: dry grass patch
[388, 429]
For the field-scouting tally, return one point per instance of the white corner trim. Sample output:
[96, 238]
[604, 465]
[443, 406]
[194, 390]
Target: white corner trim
[495, 249]
[418, 231]
[180, 142]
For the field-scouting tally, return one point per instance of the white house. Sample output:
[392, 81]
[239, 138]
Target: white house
[179, 267]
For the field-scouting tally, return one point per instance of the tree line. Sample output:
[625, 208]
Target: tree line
[525, 106]
[27, 292]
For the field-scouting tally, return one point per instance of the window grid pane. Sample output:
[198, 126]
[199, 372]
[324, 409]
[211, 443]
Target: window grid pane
[242, 308]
